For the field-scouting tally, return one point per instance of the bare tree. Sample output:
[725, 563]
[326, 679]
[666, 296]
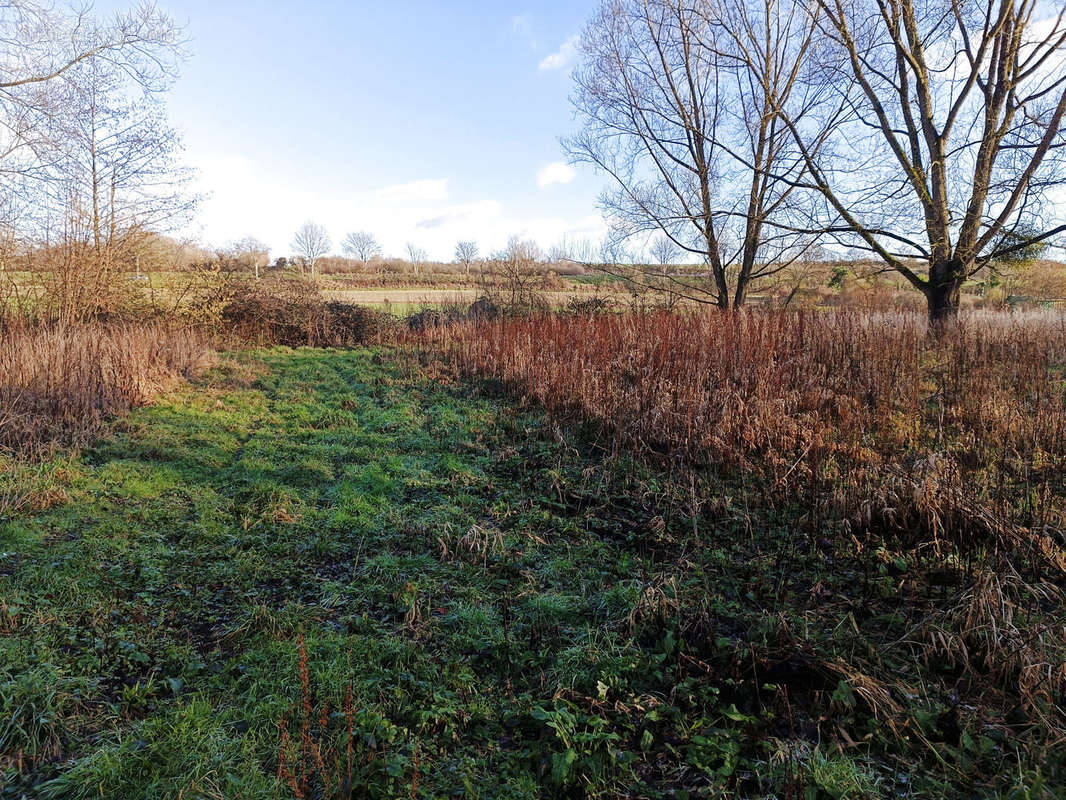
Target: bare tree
[680, 102]
[466, 253]
[512, 275]
[664, 251]
[361, 245]
[416, 255]
[249, 253]
[86, 155]
[120, 159]
[568, 248]
[42, 46]
[952, 134]
[311, 242]
[583, 250]
[560, 251]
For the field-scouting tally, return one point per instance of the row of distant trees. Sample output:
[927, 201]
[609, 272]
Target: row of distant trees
[312, 242]
[928, 133]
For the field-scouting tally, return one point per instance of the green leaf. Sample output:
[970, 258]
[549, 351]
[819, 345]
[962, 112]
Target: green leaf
[561, 764]
[734, 714]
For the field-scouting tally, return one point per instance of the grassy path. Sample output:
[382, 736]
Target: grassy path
[149, 624]
[493, 609]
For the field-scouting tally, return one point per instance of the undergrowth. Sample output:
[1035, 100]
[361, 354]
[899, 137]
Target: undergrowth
[940, 458]
[346, 574]
[60, 383]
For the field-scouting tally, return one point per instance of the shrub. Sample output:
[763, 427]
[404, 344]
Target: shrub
[292, 312]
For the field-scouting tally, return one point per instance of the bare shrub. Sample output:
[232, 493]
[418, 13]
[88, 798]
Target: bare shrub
[293, 312]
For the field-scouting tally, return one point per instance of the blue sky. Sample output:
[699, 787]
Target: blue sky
[419, 121]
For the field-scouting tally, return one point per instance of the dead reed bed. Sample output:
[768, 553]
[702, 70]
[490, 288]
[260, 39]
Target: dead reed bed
[948, 451]
[59, 384]
[859, 406]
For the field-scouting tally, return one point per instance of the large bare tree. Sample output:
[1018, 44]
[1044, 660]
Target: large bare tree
[466, 253]
[680, 102]
[115, 172]
[311, 242]
[42, 45]
[949, 135]
[87, 162]
[122, 158]
[361, 245]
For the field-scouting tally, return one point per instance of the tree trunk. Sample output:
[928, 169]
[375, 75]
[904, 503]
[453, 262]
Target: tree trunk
[741, 294]
[942, 293]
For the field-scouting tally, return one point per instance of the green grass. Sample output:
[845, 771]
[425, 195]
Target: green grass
[512, 612]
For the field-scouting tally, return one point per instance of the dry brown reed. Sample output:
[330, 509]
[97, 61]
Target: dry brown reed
[894, 428]
[950, 448]
[59, 383]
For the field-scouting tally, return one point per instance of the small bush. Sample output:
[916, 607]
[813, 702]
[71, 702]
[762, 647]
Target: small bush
[292, 312]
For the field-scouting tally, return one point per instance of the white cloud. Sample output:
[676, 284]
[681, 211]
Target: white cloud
[562, 57]
[417, 191]
[556, 172]
[246, 202]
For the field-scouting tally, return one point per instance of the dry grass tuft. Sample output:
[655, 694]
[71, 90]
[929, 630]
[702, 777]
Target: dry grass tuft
[990, 631]
[62, 383]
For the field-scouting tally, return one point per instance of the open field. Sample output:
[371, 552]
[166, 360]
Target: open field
[412, 299]
[403, 298]
[315, 568]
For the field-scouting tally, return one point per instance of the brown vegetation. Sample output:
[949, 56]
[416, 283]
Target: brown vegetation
[61, 383]
[841, 406]
[950, 453]
[293, 312]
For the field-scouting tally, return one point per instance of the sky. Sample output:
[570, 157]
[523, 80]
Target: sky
[421, 122]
